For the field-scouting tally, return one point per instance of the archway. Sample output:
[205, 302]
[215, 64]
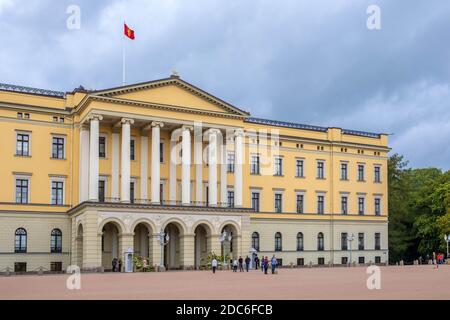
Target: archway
[172, 251]
[142, 236]
[230, 247]
[79, 247]
[202, 245]
[110, 245]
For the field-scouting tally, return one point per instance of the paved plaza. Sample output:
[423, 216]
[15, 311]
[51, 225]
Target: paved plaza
[409, 282]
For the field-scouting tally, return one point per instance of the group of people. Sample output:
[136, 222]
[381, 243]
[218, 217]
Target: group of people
[240, 264]
[116, 265]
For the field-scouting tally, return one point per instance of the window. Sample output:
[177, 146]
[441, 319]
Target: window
[19, 115]
[20, 267]
[132, 149]
[300, 262]
[320, 242]
[255, 201]
[344, 241]
[300, 246]
[20, 244]
[278, 242]
[344, 171]
[361, 260]
[102, 147]
[161, 152]
[230, 162]
[278, 166]
[255, 241]
[22, 192]
[255, 167]
[132, 198]
[377, 241]
[377, 174]
[58, 148]
[377, 206]
[161, 193]
[55, 266]
[360, 241]
[55, 119]
[321, 261]
[300, 198]
[56, 241]
[299, 169]
[57, 193]
[344, 260]
[230, 199]
[207, 195]
[344, 204]
[280, 261]
[278, 202]
[320, 170]
[101, 190]
[360, 172]
[320, 204]
[361, 201]
[23, 145]
[378, 260]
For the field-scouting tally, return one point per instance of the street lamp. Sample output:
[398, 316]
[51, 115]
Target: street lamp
[222, 238]
[447, 239]
[163, 239]
[350, 240]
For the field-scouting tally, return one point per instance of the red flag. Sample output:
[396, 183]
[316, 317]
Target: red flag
[128, 32]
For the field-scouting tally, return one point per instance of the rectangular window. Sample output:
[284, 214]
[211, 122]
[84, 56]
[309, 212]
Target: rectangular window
[377, 260]
[161, 152]
[58, 148]
[344, 204]
[22, 191]
[132, 185]
[299, 169]
[56, 266]
[321, 261]
[300, 198]
[377, 174]
[361, 260]
[23, 145]
[361, 202]
[344, 171]
[360, 172]
[278, 166]
[280, 261]
[102, 147]
[255, 201]
[320, 170]
[377, 206]
[230, 199]
[57, 193]
[230, 162]
[255, 167]
[101, 190]
[20, 267]
[377, 241]
[300, 262]
[132, 149]
[344, 260]
[207, 196]
[344, 241]
[278, 202]
[360, 241]
[320, 204]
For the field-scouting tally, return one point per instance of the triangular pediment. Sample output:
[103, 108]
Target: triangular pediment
[172, 92]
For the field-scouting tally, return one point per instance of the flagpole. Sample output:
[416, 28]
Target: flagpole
[123, 59]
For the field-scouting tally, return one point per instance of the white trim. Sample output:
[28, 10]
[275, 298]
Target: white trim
[106, 136]
[58, 179]
[24, 132]
[61, 136]
[22, 177]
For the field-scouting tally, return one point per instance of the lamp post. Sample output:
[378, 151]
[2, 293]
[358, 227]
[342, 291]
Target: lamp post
[447, 239]
[222, 238]
[350, 239]
[163, 239]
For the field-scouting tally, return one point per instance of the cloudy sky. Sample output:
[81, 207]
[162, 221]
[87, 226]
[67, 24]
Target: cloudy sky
[313, 62]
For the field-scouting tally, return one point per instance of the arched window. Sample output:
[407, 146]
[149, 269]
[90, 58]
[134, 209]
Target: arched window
[299, 241]
[278, 242]
[320, 242]
[20, 243]
[56, 241]
[255, 241]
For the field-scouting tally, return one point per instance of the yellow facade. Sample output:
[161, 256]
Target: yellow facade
[43, 115]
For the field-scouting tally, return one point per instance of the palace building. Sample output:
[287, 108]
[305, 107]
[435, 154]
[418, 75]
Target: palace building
[89, 176]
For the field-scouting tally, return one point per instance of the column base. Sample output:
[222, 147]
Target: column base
[160, 269]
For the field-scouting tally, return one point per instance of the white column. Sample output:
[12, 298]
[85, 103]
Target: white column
[238, 176]
[186, 167]
[198, 149]
[126, 163]
[144, 168]
[84, 165]
[93, 157]
[173, 172]
[115, 165]
[212, 182]
[156, 163]
[223, 172]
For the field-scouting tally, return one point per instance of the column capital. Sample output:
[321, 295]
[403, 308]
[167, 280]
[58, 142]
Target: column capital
[127, 121]
[239, 133]
[97, 117]
[187, 127]
[155, 124]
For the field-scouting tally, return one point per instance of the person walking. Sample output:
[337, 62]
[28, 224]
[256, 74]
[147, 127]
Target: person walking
[256, 263]
[214, 265]
[265, 264]
[120, 265]
[235, 265]
[114, 264]
[241, 264]
[274, 264]
[247, 263]
[262, 263]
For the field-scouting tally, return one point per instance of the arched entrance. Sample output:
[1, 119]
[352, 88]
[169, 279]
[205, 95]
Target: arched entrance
[202, 245]
[110, 245]
[79, 247]
[172, 251]
[142, 236]
[231, 242]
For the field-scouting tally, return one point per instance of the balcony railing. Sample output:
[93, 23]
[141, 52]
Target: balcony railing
[168, 203]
